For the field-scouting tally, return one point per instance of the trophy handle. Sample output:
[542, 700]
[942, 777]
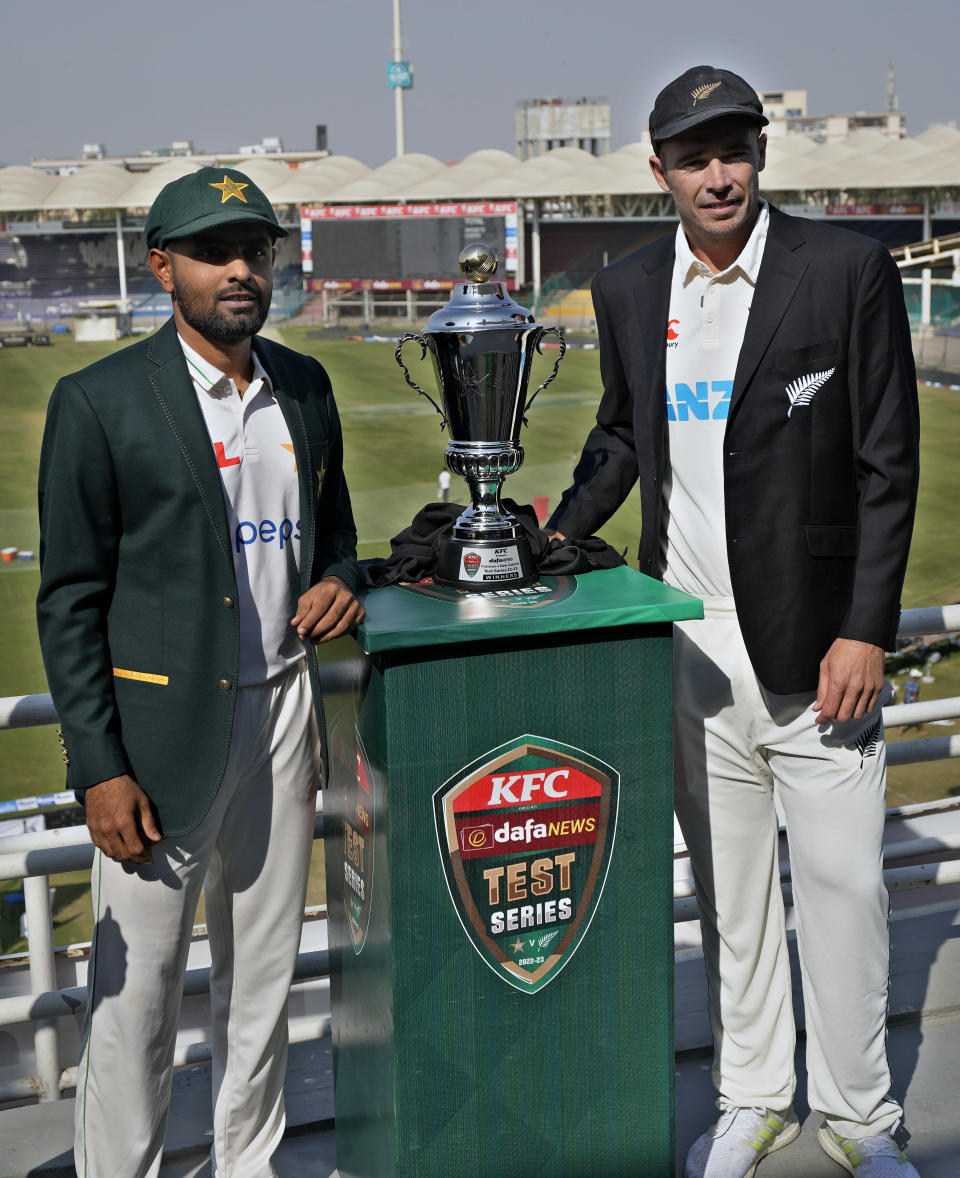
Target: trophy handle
[421, 340]
[556, 364]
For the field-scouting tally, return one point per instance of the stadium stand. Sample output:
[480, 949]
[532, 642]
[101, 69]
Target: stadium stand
[589, 209]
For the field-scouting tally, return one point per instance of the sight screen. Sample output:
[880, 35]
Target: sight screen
[364, 243]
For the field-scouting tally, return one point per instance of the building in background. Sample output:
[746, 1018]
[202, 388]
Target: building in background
[787, 112]
[268, 145]
[831, 128]
[544, 123]
[152, 157]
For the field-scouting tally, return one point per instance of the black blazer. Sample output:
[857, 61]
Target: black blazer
[137, 604]
[820, 503]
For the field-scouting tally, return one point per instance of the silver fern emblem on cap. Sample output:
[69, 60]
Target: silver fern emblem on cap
[704, 90]
[801, 390]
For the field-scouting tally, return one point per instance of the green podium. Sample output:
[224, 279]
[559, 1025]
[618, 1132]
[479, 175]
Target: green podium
[499, 880]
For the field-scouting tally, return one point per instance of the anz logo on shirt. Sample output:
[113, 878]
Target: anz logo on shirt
[708, 400]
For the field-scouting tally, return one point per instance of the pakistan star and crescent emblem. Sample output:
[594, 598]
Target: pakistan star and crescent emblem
[230, 188]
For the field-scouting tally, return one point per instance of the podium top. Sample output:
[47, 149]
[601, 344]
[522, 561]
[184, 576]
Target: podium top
[407, 616]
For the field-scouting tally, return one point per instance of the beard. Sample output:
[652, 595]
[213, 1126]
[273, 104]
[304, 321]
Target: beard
[224, 326]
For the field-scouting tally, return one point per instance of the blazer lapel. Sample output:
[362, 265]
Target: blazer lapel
[174, 390]
[308, 478]
[652, 301]
[777, 282]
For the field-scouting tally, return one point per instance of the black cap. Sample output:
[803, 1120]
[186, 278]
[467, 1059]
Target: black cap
[701, 94]
[203, 200]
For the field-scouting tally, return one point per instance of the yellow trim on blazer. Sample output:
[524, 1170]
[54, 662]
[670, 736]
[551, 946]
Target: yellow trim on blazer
[141, 676]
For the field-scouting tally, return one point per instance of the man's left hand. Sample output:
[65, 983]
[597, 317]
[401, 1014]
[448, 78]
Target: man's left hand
[326, 611]
[851, 679]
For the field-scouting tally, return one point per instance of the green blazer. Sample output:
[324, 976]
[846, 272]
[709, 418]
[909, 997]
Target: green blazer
[137, 604]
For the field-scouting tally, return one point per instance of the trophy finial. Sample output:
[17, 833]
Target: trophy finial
[478, 262]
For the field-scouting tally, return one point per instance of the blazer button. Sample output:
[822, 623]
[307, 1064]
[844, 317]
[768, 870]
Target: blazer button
[224, 684]
[228, 602]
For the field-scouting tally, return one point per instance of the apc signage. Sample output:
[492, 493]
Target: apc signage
[526, 834]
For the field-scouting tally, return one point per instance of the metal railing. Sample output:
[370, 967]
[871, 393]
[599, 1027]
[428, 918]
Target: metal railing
[922, 253]
[34, 857]
[897, 879]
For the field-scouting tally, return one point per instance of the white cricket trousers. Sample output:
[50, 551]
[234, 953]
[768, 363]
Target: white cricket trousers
[737, 747]
[251, 854]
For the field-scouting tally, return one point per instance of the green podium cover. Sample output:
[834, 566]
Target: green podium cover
[499, 877]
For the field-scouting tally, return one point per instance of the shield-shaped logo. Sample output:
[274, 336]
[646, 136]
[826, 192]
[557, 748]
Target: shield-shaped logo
[526, 833]
[358, 850]
[471, 563]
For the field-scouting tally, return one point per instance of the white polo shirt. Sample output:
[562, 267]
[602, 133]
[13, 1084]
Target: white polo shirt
[708, 318]
[258, 473]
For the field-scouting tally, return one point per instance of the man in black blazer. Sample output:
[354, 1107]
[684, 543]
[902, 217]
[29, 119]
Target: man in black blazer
[758, 381]
[196, 535]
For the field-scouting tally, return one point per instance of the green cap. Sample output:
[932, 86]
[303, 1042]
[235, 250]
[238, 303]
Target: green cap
[204, 199]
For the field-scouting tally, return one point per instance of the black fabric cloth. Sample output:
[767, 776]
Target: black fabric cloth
[414, 550]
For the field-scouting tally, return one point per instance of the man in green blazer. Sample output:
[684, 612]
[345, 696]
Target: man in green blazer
[196, 535]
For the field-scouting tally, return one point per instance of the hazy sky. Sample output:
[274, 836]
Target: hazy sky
[135, 75]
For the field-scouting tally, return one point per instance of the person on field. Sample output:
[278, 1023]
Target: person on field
[196, 536]
[911, 695]
[758, 381]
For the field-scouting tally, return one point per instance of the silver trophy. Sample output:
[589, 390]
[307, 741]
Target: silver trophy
[482, 345]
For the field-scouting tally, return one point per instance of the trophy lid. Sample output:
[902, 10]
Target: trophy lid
[477, 303]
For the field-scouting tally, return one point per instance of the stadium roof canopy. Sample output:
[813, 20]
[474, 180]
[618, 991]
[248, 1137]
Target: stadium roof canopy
[864, 162]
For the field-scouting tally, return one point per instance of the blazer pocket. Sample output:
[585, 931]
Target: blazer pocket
[141, 676]
[831, 541]
[789, 361]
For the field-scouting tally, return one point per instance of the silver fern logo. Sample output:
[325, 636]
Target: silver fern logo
[801, 391]
[868, 742]
[703, 91]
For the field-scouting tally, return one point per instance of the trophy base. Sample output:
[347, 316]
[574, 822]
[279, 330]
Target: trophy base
[482, 565]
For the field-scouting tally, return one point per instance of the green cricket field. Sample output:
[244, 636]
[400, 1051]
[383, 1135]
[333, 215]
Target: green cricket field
[393, 454]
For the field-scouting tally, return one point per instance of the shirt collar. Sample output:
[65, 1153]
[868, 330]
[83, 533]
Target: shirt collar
[747, 264]
[210, 379]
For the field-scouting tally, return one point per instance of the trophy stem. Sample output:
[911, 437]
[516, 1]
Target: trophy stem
[486, 548]
[485, 517]
[484, 465]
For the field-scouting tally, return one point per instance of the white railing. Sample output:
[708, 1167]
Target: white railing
[34, 857]
[897, 879]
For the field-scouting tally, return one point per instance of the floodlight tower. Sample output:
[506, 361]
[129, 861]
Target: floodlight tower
[399, 75]
[893, 103]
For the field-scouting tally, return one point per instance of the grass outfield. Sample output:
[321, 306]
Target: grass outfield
[394, 452]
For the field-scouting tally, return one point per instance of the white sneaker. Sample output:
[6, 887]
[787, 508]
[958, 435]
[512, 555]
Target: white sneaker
[869, 1157]
[735, 1144]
